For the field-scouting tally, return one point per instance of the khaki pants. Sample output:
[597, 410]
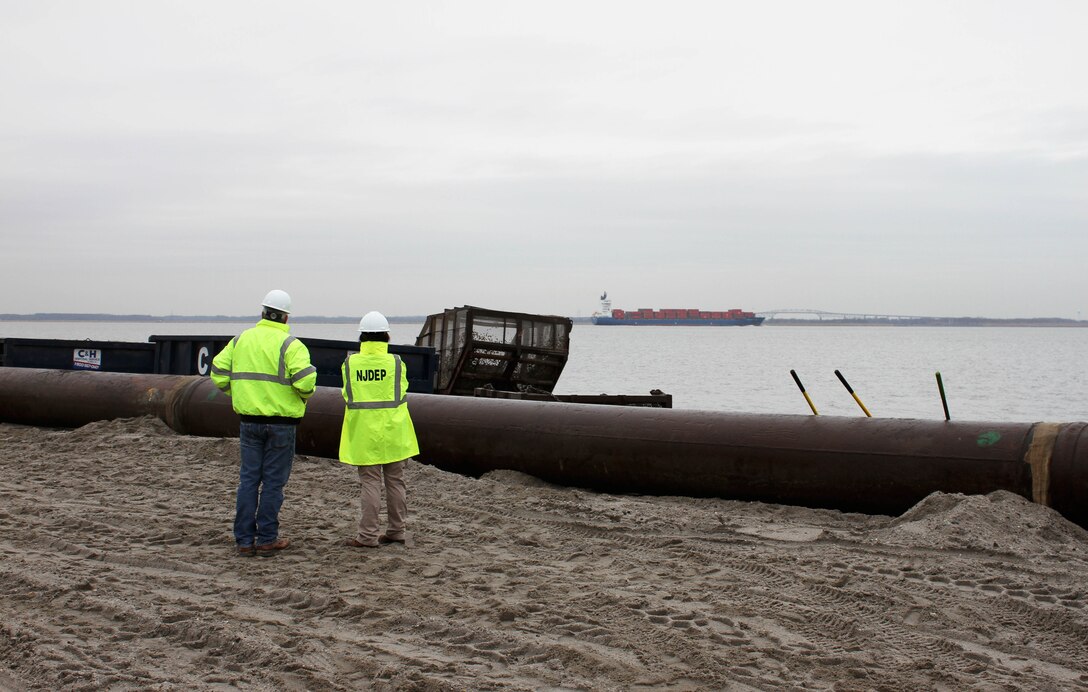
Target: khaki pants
[396, 504]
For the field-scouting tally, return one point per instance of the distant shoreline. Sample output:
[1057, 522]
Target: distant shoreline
[899, 322]
[931, 322]
[419, 319]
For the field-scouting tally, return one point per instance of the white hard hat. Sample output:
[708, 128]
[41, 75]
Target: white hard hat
[373, 322]
[278, 300]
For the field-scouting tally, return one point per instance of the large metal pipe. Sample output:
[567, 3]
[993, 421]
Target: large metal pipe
[855, 464]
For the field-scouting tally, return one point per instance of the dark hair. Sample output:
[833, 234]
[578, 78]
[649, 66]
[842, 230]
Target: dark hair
[274, 315]
[373, 336]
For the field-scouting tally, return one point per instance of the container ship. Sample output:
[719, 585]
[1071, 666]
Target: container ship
[688, 317]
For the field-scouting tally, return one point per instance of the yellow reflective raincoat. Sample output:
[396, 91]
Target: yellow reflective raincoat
[377, 428]
[266, 372]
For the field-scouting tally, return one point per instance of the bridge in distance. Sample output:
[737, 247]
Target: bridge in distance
[811, 316]
[838, 316]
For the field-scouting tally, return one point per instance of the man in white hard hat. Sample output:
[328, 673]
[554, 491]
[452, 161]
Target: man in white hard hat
[377, 436]
[268, 376]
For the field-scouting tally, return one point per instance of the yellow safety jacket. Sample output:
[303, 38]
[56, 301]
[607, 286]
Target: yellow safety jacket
[377, 427]
[266, 372]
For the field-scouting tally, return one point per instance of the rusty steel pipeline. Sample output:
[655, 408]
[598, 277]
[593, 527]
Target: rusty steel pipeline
[875, 465]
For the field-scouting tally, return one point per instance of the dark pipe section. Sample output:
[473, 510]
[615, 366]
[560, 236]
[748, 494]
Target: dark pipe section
[875, 465]
[852, 464]
[71, 398]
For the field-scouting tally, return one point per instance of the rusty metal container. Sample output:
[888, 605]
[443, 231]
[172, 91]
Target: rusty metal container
[507, 351]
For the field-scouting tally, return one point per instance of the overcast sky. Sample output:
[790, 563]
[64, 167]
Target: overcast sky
[914, 158]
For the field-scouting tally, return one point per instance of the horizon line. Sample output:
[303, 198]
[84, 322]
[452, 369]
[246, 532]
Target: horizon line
[144, 317]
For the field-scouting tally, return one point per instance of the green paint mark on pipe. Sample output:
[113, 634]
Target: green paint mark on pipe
[987, 439]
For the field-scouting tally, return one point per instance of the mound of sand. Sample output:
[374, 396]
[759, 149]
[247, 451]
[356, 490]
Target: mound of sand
[1000, 522]
[117, 571]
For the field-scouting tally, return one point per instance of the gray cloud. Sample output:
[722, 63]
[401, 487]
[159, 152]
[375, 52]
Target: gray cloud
[187, 158]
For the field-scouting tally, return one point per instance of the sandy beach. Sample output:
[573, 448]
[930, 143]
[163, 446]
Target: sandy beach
[117, 571]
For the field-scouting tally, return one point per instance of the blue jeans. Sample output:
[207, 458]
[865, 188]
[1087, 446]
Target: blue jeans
[267, 454]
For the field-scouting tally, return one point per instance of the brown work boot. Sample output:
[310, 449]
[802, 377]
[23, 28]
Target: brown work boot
[356, 543]
[245, 551]
[270, 549]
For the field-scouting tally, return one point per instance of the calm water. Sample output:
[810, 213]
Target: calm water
[989, 373]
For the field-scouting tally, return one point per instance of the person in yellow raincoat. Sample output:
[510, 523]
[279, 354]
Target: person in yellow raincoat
[377, 436]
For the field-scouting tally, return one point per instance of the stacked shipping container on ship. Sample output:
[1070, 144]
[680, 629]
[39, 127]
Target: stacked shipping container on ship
[673, 316]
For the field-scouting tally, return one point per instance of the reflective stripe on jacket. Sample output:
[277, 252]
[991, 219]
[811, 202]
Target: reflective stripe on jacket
[377, 427]
[266, 372]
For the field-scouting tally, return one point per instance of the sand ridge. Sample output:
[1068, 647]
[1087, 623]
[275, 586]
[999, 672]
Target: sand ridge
[117, 572]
